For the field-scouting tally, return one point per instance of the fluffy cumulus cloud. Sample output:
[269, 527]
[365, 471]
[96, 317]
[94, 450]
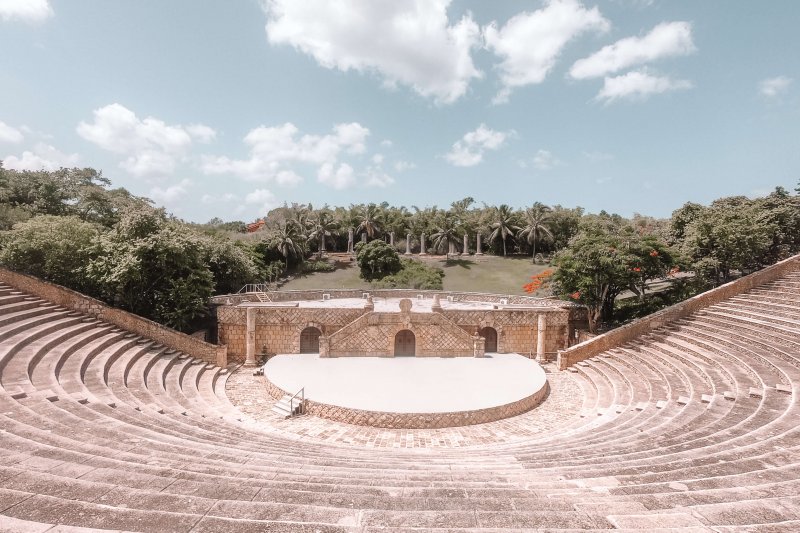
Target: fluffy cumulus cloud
[170, 194]
[638, 85]
[668, 39]
[769, 88]
[9, 134]
[263, 198]
[25, 10]
[151, 147]
[469, 150]
[42, 157]
[530, 43]
[274, 150]
[408, 43]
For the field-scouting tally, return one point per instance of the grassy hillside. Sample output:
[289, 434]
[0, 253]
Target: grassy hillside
[485, 274]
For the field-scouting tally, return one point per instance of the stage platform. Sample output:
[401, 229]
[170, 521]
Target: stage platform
[410, 392]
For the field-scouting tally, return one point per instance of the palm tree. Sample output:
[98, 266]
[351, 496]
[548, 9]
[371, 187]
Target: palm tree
[446, 232]
[370, 220]
[288, 240]
[502, 225]
[535, 225]
[323, 226]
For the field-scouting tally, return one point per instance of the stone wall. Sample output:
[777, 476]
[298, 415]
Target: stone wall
[379, 419]
[70, 299]
[278, 329]
[642, 326]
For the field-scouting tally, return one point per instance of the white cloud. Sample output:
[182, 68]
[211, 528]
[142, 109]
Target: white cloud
[201, 132]
[597, 156]
[530, 43]
[262, 197]
[386, 143]
[9, 134]
[469, 150]
[170, 194]
[42, 157]
[545, 160]
[407, 43]
[668, 39]
[273, 151]
[225, 198]
[342, 178]
[25, 10]
[638, 85]
[378, 178]
[152, 147]
[402, 166]
[377, 159]
[770, 87]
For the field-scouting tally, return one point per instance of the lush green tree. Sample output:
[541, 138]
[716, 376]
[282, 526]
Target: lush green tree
[447, 236]
[564, 224]
[503, 225]
[535, 226]
[155, 268]
[288, 239]
[376, 259]
[413, 275]
[323, 228]
[369, 220]
[230, 263]
[53, 248]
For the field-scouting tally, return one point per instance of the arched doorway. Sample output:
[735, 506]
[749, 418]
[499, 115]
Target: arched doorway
[490, 334]
[309, 340]
[405, 343]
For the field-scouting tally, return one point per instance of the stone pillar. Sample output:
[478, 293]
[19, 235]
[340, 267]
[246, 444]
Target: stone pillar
[466, 245]
[478, 250]
[324, 346]
[541, 338]
[391, 239]
[363, 237]
[408, 244]
[250, 359]
[350, 241]
[478, 345]
[370, 305]
[437, 304]
[422, 244]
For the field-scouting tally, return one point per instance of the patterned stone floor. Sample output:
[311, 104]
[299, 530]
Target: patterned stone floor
[249, 394]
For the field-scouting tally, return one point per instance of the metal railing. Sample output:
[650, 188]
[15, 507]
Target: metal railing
[302, 394]
[254, 287]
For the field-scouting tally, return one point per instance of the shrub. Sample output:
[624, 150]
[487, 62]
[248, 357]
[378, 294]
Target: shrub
[414, 275]
[377, 259]
[317, 266]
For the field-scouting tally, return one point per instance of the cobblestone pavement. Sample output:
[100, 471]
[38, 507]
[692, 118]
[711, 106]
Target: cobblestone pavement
[249, 394]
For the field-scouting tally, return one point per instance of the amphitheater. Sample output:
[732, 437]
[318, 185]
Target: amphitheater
[686, 419]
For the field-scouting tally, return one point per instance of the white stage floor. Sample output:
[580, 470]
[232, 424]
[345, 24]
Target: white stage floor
[409, 384]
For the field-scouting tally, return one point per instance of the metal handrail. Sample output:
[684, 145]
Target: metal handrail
[254, 287]
[302, 393]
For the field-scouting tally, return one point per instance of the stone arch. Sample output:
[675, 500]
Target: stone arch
[405, 343]
[490, 334]
[498, 328]
[309, 339]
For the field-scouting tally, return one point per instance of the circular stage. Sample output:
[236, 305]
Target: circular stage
[410, 392]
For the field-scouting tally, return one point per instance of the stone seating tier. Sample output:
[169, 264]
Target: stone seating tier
[692, 426]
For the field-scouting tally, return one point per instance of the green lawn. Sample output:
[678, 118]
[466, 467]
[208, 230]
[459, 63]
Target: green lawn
[485, 274]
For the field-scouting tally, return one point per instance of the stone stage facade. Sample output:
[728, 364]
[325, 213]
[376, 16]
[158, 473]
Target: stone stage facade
[386, 323]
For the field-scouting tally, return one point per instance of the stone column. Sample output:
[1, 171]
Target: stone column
[363, 237]
[541, 338]
[250, 359]
[422, 244]
[478, 346]
[350, 241]
[478, 248]
[324, 346]
[391, 239]
[466, 245]
[408, 244]
[437, 304]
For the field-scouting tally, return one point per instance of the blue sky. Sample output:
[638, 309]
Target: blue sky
[228, 108]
